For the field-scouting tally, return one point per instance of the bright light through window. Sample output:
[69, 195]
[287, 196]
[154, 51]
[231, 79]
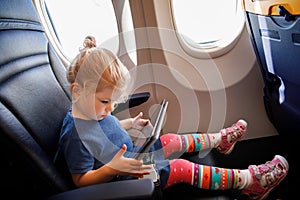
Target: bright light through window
[74, 20]
[208, 24]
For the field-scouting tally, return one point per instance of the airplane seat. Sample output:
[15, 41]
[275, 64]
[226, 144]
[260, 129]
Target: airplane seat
[274, 29]
[33, 101]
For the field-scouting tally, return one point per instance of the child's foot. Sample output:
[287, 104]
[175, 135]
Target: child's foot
[266, 176]
[231, 135]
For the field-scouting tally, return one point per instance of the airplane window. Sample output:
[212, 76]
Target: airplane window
[128, 32]
[208, 25]
[74, 20]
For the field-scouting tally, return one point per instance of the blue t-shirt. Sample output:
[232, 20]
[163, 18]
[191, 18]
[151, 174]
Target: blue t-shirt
[90, 144]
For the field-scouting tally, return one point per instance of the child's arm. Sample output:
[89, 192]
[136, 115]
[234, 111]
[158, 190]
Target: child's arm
[137, 122]
[119, 165]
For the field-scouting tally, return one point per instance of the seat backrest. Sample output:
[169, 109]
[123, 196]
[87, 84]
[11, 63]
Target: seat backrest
[33, 101]
[274, 32]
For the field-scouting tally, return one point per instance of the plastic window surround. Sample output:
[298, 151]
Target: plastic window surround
[211, 49]
[50, 33]
[111, 43]
[128, 30]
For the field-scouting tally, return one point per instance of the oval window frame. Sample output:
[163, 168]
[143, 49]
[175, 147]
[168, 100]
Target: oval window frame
[207, 51]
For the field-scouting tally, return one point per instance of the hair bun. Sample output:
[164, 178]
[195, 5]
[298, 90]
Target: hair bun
[89, 42]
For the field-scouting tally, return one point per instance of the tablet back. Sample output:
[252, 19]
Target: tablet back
[157, 122]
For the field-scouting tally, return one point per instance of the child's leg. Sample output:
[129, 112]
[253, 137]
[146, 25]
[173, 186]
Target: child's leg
[173, 143]
[206, 177]
[224, 141]
[256, 181]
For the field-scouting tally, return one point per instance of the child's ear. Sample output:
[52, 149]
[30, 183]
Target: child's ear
[75, 90]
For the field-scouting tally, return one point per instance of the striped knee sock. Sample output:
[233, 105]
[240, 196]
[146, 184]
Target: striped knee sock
[206, 177]
[188, 142]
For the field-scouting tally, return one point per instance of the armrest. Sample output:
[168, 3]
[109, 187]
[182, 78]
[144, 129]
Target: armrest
[127, 189]
[133, 100]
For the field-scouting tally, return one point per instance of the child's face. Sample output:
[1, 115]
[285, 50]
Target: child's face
[96, 105]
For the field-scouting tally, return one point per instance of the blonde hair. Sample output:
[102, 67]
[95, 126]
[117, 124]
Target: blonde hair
[98, 68]
[89, 42]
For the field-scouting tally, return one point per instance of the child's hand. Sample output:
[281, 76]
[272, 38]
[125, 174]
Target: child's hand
[128, 166]
[139, 123]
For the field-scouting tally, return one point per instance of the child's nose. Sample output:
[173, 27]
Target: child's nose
[110, 107]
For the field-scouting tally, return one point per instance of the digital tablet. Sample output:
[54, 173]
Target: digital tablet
[153, 130]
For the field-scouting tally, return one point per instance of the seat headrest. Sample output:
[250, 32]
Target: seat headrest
[19, 10]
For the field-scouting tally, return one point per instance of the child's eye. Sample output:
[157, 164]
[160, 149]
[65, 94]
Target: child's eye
[104, 101]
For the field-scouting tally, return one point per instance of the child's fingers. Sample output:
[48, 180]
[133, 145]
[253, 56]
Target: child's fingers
[121, 152]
